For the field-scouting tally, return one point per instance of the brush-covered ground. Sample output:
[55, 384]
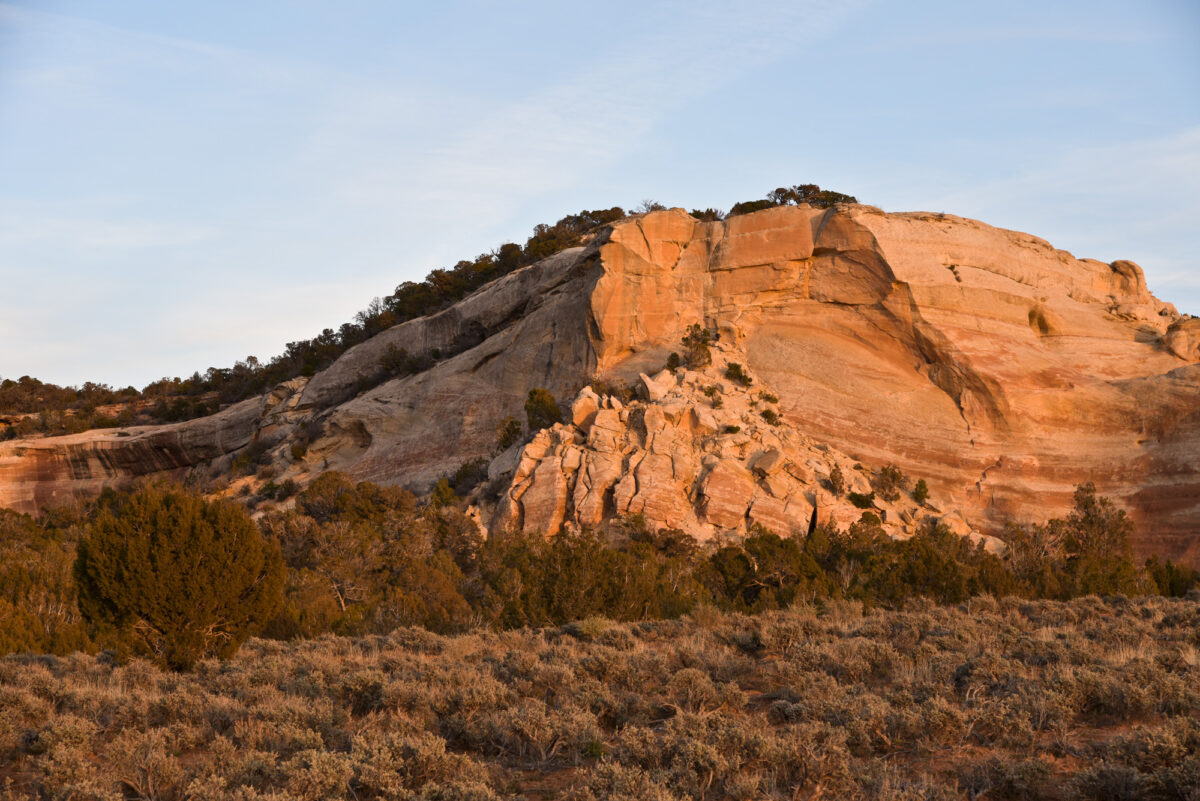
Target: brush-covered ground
[1010, 699]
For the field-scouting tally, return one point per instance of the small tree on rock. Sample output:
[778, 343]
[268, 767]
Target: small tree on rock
[508, 432]
[541, 410]
[174, 576]
[695, 343]
[889, 481]
[837, 480]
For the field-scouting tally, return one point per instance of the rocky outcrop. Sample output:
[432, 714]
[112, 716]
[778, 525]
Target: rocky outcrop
[39, 473]
[1183, 339]
[699, 456]
[1001, 370]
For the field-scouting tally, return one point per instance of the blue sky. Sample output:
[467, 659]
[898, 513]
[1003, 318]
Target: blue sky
[183, 185]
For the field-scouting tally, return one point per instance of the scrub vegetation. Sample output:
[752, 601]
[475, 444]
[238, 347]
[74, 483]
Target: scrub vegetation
[987, 699]
[395, 653]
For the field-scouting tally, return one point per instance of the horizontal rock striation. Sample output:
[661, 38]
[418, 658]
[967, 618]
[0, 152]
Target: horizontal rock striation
[1001, 370]
[52, 471]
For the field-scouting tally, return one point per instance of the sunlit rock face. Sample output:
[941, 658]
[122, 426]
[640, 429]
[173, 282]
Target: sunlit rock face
[1002, 371]
[52, 471]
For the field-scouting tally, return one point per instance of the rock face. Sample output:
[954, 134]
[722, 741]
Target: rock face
[700, 457]
[1002, 371]
[38, 473]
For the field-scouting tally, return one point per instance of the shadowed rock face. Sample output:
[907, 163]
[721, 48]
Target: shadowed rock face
[999, 369]
[38, 473]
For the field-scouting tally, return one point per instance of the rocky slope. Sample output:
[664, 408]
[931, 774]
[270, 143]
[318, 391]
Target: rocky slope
[703, 454]
[999, 369]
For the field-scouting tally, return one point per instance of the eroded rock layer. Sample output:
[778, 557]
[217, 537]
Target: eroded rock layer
[1001, 370]
[703, 454]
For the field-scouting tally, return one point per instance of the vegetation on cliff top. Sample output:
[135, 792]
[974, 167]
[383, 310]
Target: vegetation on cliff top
[29, 406]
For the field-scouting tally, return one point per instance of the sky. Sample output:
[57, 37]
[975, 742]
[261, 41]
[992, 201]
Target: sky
[186, 185]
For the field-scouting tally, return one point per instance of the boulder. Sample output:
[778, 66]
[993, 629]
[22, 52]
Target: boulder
[584, 409]
[1183, 339]
[727, 491]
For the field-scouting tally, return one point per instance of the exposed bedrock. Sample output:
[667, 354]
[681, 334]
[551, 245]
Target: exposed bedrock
[38, 473]
[1001, 370]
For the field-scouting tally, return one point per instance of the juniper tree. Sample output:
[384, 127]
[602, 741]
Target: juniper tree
[696, 344]
[174, 576]
[541, 410]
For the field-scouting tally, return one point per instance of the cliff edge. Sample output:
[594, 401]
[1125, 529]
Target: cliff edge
[999, 369]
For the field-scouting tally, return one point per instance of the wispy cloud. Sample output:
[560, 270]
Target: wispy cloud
[265, 196]
[341, 169]
[583, 122]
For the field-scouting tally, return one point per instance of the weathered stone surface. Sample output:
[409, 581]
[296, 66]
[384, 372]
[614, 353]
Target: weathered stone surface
[1183, 339]
[584, 409]
[544, 504]
[606, 427]
[778, 485]
[657, 387]
[505, 462]
[767, 462]
[1002, 371]
[781, 517]
[601, 472]
[51, 471]
[727, 491]
[799, 510]
[703, 422]
[823, 507]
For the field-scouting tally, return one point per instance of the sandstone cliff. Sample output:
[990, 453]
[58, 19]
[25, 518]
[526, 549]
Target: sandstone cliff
[999, 369]
[703, 454]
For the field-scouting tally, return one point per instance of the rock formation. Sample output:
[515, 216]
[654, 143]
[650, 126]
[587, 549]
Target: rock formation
[701, 456]
[1002, 371]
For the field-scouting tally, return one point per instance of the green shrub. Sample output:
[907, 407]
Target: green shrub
[443, 494]
[837, 480]
[38, 609]
[770, 415]
[810, 194]
[508, 432]
[735, 373]
[696, 346]
[861, 500]
[920, 491]
[1171, 579]
[469, 475]
[749, 206]
[541, 410]
[889, 481]
[250, 457]
[176, 576]
[398, 362]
